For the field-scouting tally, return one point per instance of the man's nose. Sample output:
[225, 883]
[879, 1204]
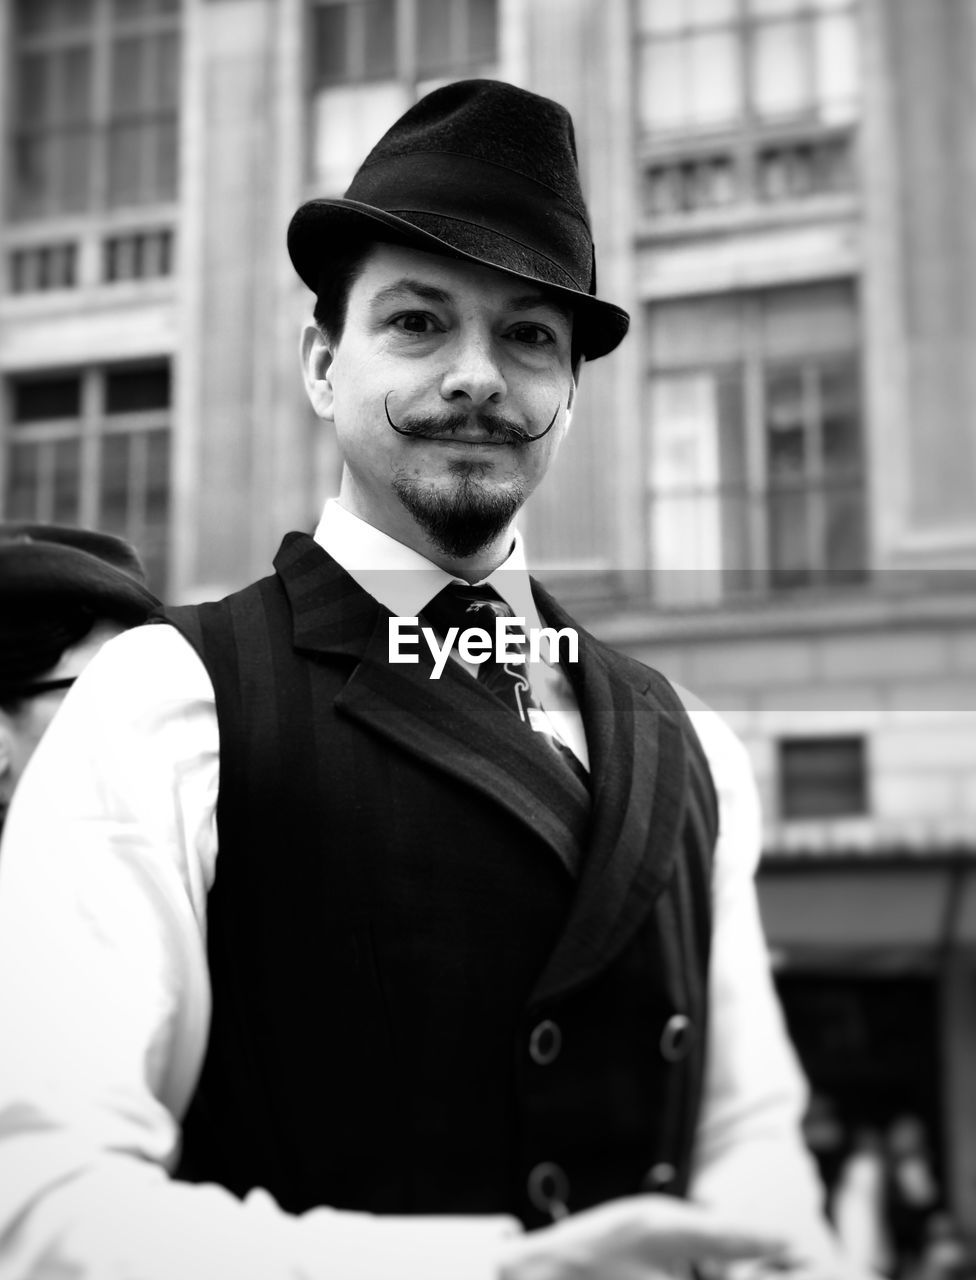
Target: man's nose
[474, 372]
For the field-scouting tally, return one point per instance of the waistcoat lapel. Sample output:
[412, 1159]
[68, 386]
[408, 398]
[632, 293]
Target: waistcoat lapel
[638, 770]
[453, 723]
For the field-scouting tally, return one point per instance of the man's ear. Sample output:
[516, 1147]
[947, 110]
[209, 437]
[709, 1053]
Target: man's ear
[317, 370]
[574, 384]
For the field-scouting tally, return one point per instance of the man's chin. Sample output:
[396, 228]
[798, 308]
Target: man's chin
[465, 516]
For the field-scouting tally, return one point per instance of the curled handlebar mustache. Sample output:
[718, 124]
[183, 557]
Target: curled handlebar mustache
[429, 427]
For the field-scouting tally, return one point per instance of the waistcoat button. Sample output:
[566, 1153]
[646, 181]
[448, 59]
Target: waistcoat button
[659, 1175]
[548, 1189]
[676, 1038]
[545, 1042]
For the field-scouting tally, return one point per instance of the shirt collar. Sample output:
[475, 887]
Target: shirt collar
[402, 579]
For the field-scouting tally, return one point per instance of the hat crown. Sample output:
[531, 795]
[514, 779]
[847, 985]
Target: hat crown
[55, 581]
[477, 170]
[91, 542]
[497, 123]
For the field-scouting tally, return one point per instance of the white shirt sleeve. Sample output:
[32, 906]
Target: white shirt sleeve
[750, 1159]
[108, 853]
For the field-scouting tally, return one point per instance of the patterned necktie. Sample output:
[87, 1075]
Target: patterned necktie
[465, 607]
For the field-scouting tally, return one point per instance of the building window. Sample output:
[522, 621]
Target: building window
[94, 105]
[371, 58]
[92, 447]
[822, 777]
[777, 80]
[755, 452]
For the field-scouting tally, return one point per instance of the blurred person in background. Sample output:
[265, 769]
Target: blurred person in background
[859, 1202]
[63, 593]
[341, 971]
[913, 1192]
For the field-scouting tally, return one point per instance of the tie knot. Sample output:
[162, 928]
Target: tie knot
[463, 606]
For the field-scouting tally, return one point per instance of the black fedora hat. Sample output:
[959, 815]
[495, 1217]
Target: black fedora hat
[477, 170]
[55, 582]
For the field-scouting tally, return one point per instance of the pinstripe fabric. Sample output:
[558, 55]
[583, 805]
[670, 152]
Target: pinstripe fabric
[389, 862]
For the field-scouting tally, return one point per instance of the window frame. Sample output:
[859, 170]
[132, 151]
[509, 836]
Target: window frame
[789, 811]
[751, 369]
[406, 75]
[98, 37]
[738, 149]
[406, 64]
[93, 424]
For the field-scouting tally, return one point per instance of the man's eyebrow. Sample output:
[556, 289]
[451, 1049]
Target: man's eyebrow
[529, 302]
[409, 287]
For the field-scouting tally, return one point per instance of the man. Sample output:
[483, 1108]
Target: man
[448, 952]
[63, 593]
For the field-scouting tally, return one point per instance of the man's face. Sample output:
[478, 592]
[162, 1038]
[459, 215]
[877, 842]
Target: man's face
[441, 368]
[23, 726]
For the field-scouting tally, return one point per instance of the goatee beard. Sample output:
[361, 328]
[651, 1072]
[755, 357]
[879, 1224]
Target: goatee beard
[465, 520]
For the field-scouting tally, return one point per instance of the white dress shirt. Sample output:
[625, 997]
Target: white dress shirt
[109, 851]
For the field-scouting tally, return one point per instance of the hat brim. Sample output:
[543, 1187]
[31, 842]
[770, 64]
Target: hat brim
[322, 229]
[45, 571]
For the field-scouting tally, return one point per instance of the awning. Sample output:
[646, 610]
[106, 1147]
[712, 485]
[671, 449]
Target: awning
[887, 910]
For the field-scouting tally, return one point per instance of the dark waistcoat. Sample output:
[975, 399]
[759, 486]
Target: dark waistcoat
[416, 1006]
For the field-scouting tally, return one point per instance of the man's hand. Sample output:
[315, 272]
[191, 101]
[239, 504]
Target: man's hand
[636, 1238]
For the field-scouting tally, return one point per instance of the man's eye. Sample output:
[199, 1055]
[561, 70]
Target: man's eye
[415, 322]
[534, 335]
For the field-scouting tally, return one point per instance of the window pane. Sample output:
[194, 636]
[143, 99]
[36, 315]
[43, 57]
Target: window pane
[66, 482]
[809, 320]
[379, 57]
[822, 778]
[434, 35]
[167, 142]
[128, 10]
[73, 152]
[50, 399]
[348, 121]
[715, 78]
[790, 560]
[167, 78]
[330, 34]
[764, 8]
[28, 178]
[36, 16]
[155, 540]
[482, 31]
[846, 533]
[661, 86]
[840, 421]
[674, 15]
[698, 513]
[23, 482]
[113, 505]
[36, 84]
[706, 12]
[157, 478]
[662, 15]
[838, 73]
[136, 390]
[75, 76]
[786, 458]
[129, 75]
[781, 74]
[126, 152]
